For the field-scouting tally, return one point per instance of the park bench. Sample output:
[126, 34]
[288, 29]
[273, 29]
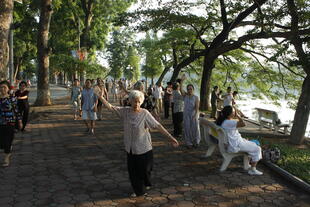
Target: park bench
[216, 136]
[271, 119]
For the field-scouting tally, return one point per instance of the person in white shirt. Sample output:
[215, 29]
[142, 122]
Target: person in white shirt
[158, 95]
[235, 142]
[228, 98]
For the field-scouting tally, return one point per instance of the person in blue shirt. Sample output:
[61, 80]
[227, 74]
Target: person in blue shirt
[89, 106]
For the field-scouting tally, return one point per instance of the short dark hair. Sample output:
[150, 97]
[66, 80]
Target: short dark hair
[215, 87]
[190, 85]
[175, 86]
[5, 82]
[22, 82]
[169, 83]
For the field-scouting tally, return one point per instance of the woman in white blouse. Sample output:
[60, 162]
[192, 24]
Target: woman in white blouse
[235, 142]
[137, 139]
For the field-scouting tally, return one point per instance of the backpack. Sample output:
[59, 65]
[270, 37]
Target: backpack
[272, 154]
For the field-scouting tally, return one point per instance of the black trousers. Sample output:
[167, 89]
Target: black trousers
[24, 111]
[6, 138]
[214, 110]
[139, 169]
[166, 108]
[177, 123]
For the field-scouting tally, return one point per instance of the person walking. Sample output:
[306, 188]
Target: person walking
[9, 118]
[190, 117]
[138, 144]
[22, 103]
[76, 92]
[178, 106]
[228, 98]
[214, 100]
[114, 91]
[167, 99]
[89, 107]
[100, 87]
[158, 95]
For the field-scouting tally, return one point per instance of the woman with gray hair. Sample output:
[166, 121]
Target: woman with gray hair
[137, 139]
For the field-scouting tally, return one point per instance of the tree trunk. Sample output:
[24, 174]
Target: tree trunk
[161, 77]
[43, 91]
[183, 64]
[6, 9]
[87, 7]
[205, 89]
[302, 114]
[17, 65]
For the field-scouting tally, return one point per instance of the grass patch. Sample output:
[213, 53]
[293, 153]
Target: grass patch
[294, 160]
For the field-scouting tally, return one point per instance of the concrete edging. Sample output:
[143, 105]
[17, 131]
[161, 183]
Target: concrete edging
[288, 176]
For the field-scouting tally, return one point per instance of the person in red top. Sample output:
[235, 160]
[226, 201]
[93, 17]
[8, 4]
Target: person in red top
[22, 102]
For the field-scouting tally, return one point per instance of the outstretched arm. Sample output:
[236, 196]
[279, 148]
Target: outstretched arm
[163, 131]
[108, 105]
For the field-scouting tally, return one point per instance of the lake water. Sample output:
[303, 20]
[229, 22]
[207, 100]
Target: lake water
[284, 112]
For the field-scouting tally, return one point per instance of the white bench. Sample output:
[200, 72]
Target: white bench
[271, 119]
[210, 128]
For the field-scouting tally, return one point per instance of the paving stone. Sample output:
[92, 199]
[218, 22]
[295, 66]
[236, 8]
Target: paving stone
[185, 204]
[56, 164]
[255, 199]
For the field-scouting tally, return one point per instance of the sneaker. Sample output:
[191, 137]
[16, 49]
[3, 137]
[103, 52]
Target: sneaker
[92, 132]
[148, 187]
[6, 160]
[133, 195]
[255, 172]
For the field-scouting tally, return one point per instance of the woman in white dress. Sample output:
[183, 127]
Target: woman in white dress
[235, 142]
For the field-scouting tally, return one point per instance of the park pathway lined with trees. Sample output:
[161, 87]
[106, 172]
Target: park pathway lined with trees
[57, 164]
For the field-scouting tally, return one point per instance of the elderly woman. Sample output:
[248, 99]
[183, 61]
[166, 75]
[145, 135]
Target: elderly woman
[9, 114]
[137, 139]
[235, 142]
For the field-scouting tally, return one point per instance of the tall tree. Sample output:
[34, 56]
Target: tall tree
[117, 49]
[6, 10]
[303, 106]
[43, 91]
[25, 38]
[153, 64]
[132, 70]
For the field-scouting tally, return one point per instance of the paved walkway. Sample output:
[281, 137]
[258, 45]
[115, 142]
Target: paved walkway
[57, 164]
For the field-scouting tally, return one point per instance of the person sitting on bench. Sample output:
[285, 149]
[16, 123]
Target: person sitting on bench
[235, 142]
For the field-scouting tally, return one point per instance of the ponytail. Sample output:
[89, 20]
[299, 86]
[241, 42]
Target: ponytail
[227, 111]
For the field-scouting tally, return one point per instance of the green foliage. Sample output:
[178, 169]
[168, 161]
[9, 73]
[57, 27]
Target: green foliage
[117, 53]
[295, 161]
[102, 13]
[25, 37]
[132, 70]
[70, 65]
[153, 65]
